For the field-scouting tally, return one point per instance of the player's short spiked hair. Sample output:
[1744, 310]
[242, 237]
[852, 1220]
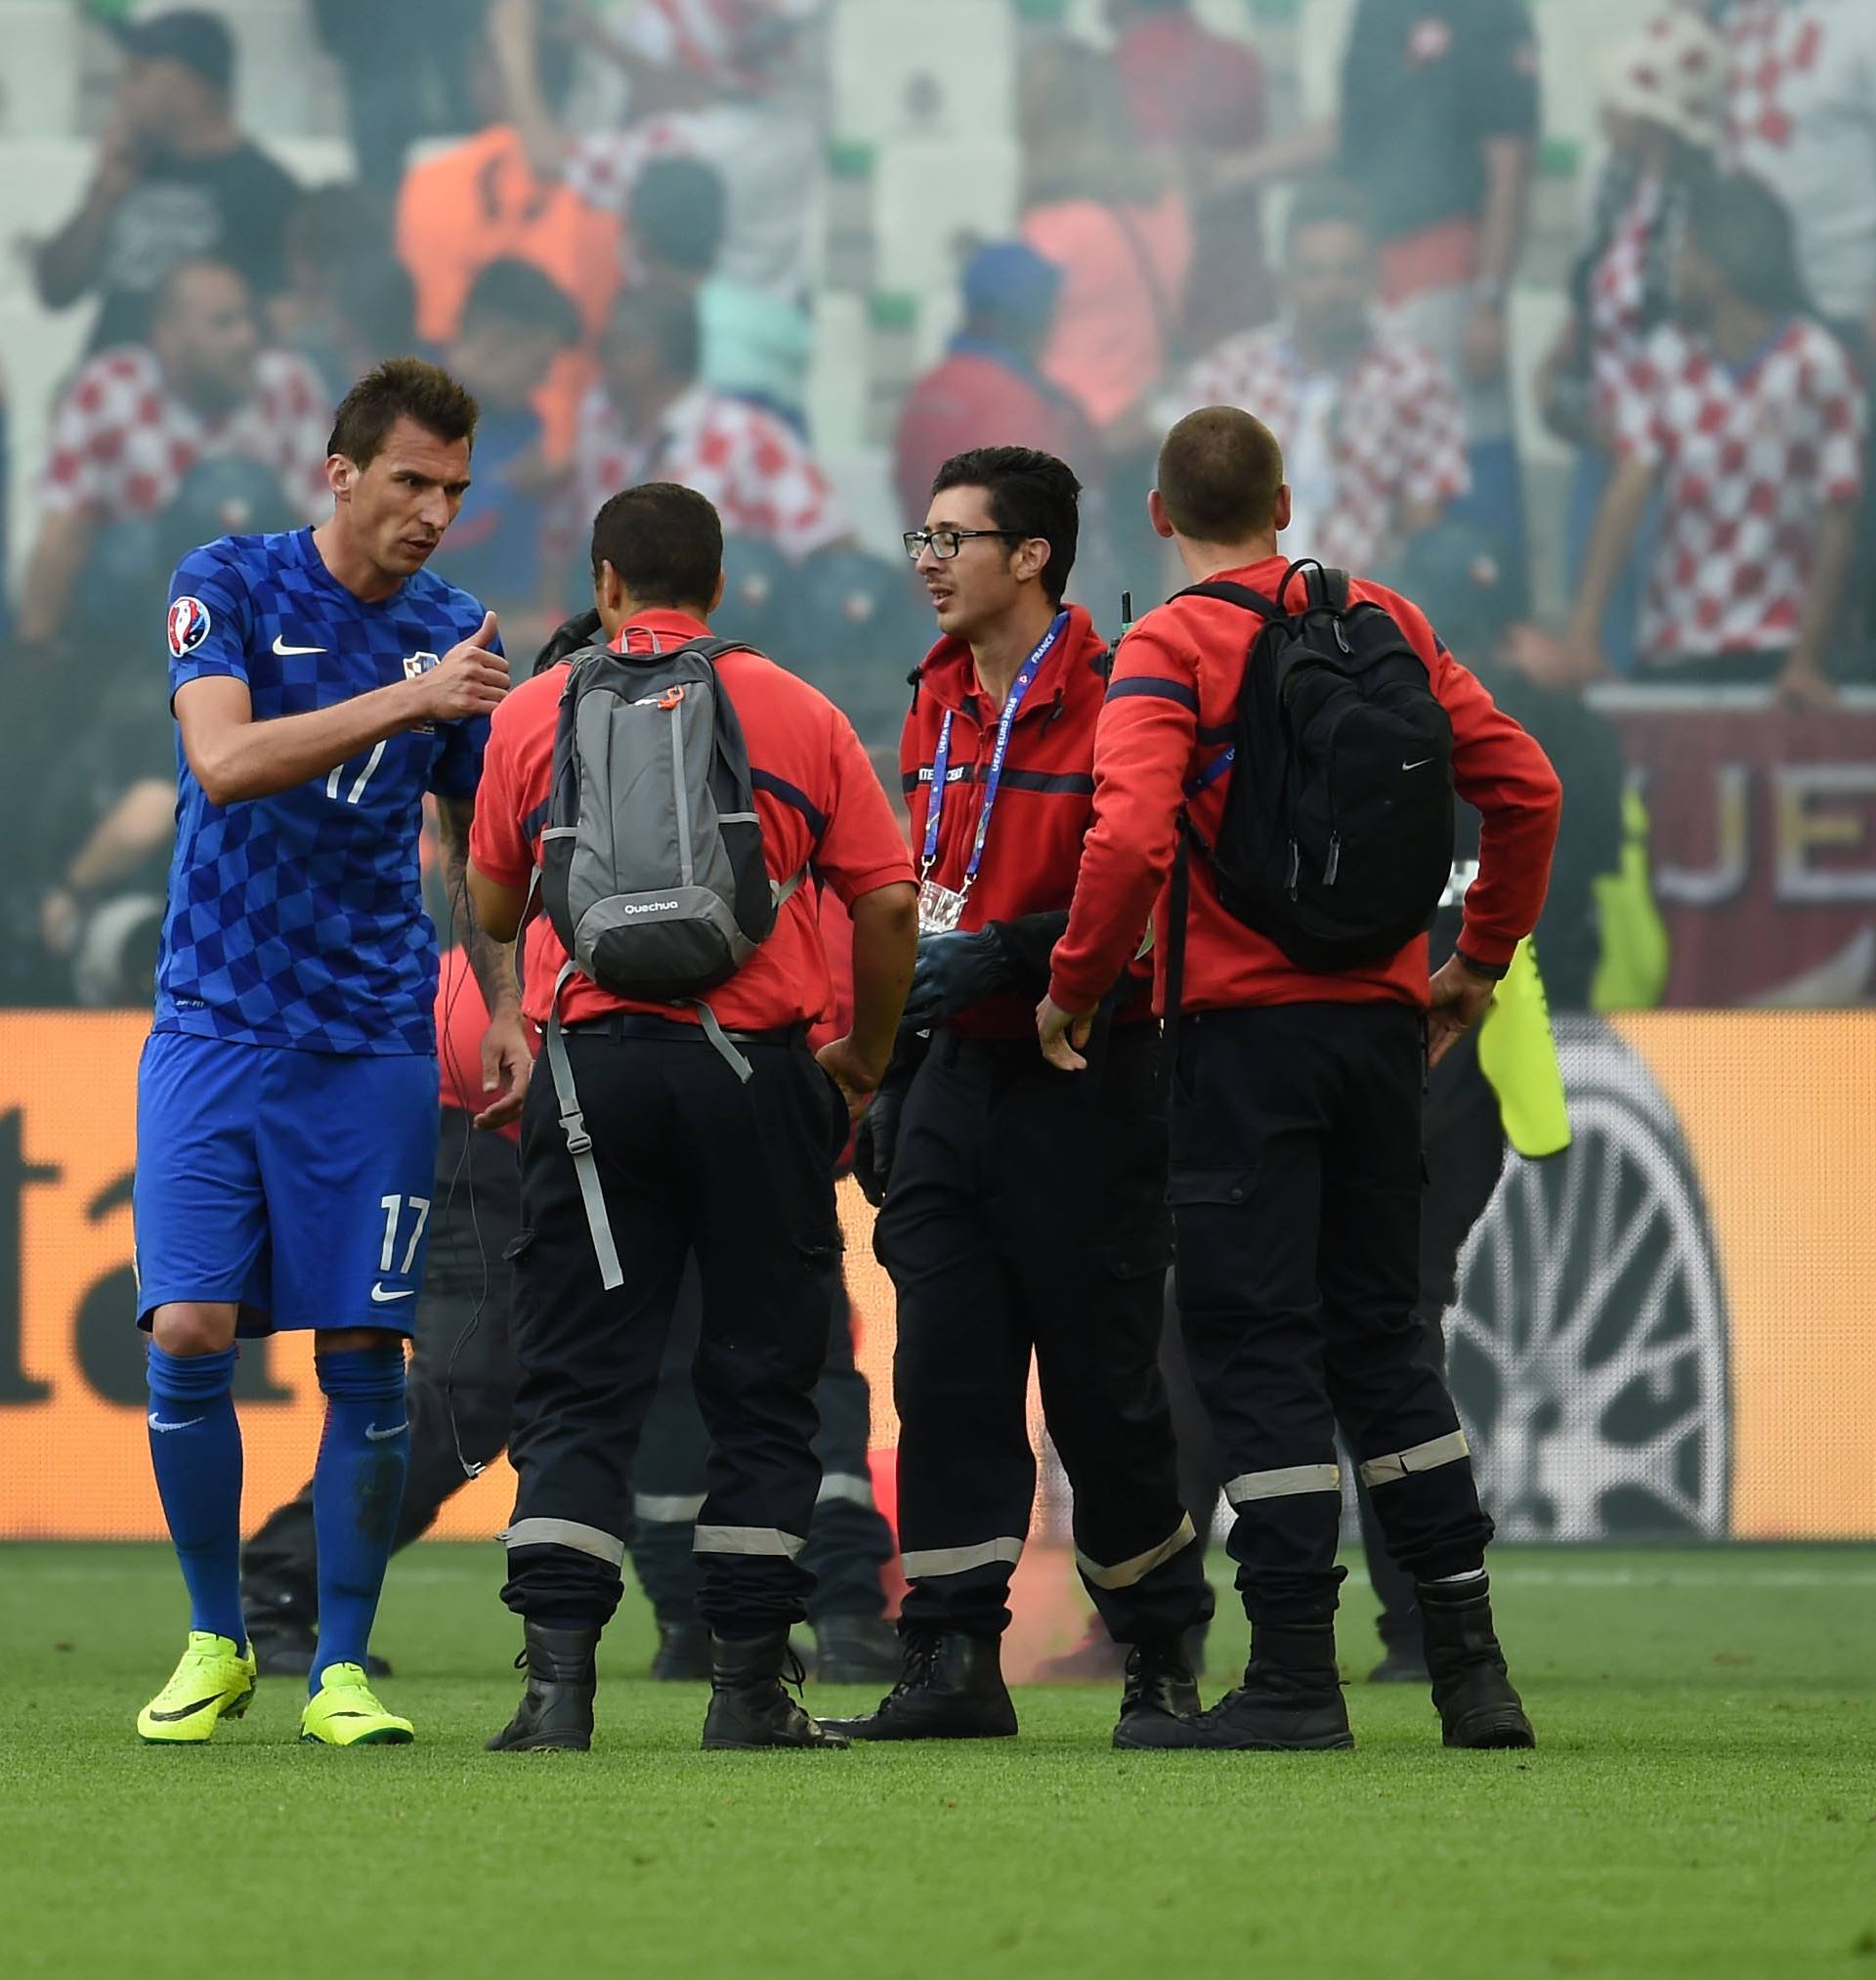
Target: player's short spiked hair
[400, 388]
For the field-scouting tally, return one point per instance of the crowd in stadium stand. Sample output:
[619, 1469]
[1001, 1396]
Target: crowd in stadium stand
[643, 302]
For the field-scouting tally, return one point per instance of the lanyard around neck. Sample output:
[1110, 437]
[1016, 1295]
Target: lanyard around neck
[993, 780]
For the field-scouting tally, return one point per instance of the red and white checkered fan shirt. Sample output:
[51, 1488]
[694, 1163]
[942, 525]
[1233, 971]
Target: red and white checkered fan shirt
[1397, 434]
[122, 441]
[1618, 297]
[755, 468]
[1750, 459]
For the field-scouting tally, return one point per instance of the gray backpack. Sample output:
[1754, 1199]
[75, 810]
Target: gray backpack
[651, 871]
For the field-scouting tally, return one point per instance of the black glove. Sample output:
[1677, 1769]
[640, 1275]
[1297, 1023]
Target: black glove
[953, 972]
[568, 636]
[877, 1142]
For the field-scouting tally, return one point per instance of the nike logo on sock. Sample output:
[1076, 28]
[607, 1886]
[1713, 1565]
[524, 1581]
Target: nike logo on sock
[157, 1423]
[379, 1436]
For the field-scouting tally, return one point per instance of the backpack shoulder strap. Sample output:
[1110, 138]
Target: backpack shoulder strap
[1240, 595]
[1329, 586]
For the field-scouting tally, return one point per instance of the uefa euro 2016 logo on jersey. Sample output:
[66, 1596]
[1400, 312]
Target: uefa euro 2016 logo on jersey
[189, 623]
[416, 666]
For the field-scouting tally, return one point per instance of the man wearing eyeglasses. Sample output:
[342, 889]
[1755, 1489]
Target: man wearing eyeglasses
[1020, 1213]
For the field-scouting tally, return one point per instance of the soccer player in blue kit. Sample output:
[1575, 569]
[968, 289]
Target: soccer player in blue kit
[322, 681]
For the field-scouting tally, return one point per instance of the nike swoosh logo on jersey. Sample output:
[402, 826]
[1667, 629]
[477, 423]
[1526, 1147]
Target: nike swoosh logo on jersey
[381, 1298]
[189, 1423]
[379, 1436]
[284, 650]
[1420, 765]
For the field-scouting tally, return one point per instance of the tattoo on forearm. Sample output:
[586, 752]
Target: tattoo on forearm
[493, 962]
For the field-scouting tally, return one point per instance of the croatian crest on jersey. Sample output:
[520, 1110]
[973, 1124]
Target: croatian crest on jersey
[416, 664]
[189, 623]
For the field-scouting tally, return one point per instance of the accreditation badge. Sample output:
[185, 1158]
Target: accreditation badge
[940, 908]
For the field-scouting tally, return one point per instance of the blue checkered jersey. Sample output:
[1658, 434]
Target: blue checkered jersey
[298, 920]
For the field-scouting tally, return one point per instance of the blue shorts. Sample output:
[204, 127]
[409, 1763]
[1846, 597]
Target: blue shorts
[296, 1183]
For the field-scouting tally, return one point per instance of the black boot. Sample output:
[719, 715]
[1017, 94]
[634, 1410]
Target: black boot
[748, 1705]
[855, 1650]
[556, 1710]
[683, 1654]
[1160, 1684]
[1472, 1693]
[951, 1688]
[1290, 1702]
[283, 1632]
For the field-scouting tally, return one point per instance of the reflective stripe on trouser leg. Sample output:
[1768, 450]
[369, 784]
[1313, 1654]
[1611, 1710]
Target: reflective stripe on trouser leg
[770, 1542]
[1288, 1481]
[1428, 1456]
[848, 1486]
[929, 1562]
[1125, 1573]
[667, 1509]
[601, 1545]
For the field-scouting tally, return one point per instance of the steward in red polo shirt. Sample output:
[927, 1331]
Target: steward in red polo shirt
[1023, 1211]
[1296, 1125]
[692, 1158]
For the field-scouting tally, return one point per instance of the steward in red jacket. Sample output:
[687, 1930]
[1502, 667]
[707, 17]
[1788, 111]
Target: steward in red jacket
[1296, 1125]
[1022, 1211]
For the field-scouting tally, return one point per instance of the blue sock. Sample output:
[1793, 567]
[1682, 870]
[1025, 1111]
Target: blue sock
[196, 1450]
[357, 1490]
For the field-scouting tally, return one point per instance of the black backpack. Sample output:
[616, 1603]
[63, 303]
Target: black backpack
[1336, 838]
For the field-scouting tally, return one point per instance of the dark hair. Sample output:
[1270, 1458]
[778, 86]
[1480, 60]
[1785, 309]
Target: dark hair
[1327, 203]
[677, 213]
[664, 541]
[1031, 494]
[517, 294]
[400, 388]
[1219, 473]
[1744, 228]
[664, 317]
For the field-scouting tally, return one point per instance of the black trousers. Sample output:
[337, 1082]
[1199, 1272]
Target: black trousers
[1296, 1183]
[462, 1311]
[1464, 1136]
[691, 1161]
[1026, 1216]
[849, 1542]
[476, 1219]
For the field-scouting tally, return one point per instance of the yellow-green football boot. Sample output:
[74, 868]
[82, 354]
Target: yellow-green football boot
[344, 1712]
[214, 1681]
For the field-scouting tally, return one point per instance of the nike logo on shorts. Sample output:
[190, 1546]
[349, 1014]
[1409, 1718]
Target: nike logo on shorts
[381, 1298]
[157, 1423]
[1420, 765]
[284, 650]
[379, 1436]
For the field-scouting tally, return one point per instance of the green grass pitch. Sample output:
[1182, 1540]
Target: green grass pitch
[1703, 1803]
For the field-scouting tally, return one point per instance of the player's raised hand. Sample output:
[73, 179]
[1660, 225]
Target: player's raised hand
[468, 681]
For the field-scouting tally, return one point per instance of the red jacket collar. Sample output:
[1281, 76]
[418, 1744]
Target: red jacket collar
[668, 625]
[948, 674]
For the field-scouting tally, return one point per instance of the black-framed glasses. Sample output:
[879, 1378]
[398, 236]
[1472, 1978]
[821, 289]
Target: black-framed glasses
[944, 544]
